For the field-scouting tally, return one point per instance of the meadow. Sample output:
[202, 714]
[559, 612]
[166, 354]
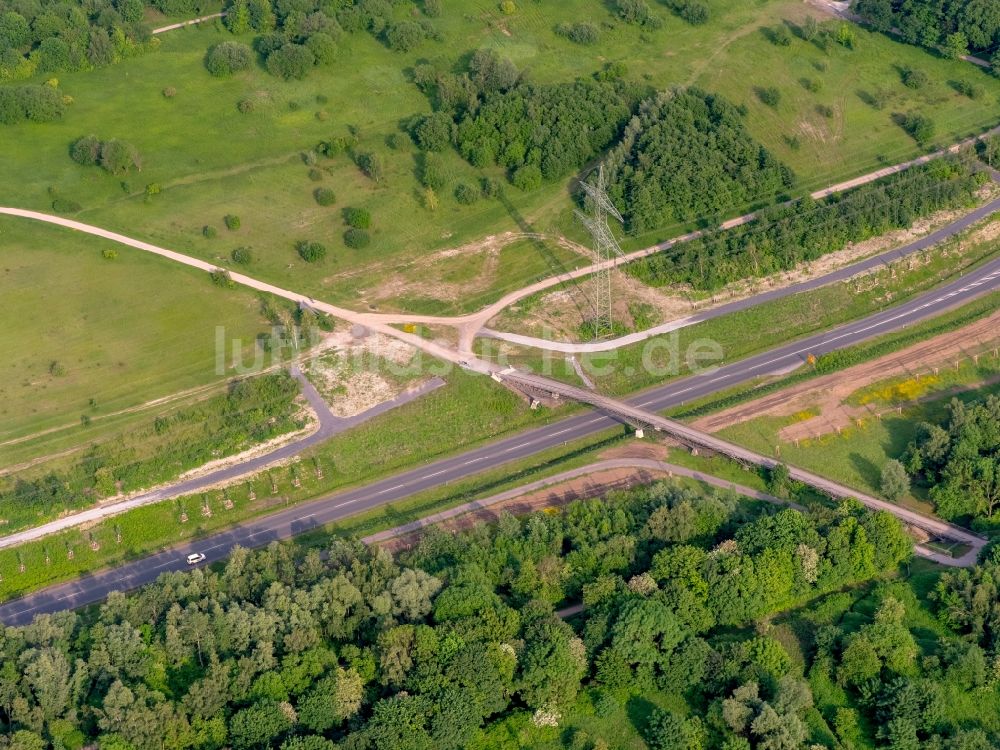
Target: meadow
[87, 337]
[856, 455]
[208, 160]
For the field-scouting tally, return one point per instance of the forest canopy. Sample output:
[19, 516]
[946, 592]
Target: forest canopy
[294, 649]
[783, 236]
[687, 155]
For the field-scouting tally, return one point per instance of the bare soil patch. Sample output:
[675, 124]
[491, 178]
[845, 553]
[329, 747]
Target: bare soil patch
[822, 402]
[354, 374]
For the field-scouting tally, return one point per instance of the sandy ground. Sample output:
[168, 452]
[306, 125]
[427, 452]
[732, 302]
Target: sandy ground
[591, 485]
[428, 276]
[825, 397]
[559, 313]
[354, 374]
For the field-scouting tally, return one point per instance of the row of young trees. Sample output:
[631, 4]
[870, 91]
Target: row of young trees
[298, 651]
[954, 27]
[685, 155]
[49, 36]
[786, 235]
[252, 412]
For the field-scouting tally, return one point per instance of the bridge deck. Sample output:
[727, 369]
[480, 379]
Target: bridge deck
[696, 438]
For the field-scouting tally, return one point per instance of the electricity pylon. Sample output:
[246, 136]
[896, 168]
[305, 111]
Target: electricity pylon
[607, 249]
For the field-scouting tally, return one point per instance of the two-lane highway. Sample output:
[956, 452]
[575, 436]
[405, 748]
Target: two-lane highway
[340, 505]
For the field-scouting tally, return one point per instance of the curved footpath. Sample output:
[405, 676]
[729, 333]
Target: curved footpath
[842, 274]
[329, 425]
[439, 473]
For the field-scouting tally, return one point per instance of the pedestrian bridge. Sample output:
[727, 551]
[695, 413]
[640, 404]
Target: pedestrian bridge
[536, 386]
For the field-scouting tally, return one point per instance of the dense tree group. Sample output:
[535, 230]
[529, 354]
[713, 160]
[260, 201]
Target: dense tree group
[687, 155]
[30, 102]
[300, 650]
[956, 27]
[49, 36]
[960, 460]
[114, 156]
[296, 35]
[785, 235]
[537, 131]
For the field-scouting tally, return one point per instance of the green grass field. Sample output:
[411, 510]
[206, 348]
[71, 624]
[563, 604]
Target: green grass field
[857, 454]
[90, 336]
[210, 160]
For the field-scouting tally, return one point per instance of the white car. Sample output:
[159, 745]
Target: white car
[194, 558]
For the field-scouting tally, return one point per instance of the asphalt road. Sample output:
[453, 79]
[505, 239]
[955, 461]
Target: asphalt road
[308, 516]
[841, 274]
[329, 425]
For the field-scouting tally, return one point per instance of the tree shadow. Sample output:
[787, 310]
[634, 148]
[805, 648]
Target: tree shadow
[869, 472]
[638, 710]
[556, 267]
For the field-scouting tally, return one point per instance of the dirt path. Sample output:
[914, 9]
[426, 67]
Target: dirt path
[182, 24]
[827, 394]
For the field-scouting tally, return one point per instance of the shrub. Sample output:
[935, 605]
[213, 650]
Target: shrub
[969, 89]
[290, 61]
[779, 36]
[491, 187]
[432, 8]
[64, 206]
[324, 196]
[221, 277]
[508, 7]
[432, 172]
[315, 175]
[466, 194]
[919, 126]
[86, 150]
[404, 36]
[109, 253]
[209, 232]
[395, 141]
[118, 157]
[914, 78]
[894, 481]
[371, 164]
[769, 96]
[581, 32]
[636, 12]
[824, 110]
[527, 178]
[323, 48]
[169, 92]
[242, 255]
[232, 222]
[226, 58]
[359, 218]
[694, 12]
[37, 103]
[434, 131]
[311, 252]
[357, 238]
